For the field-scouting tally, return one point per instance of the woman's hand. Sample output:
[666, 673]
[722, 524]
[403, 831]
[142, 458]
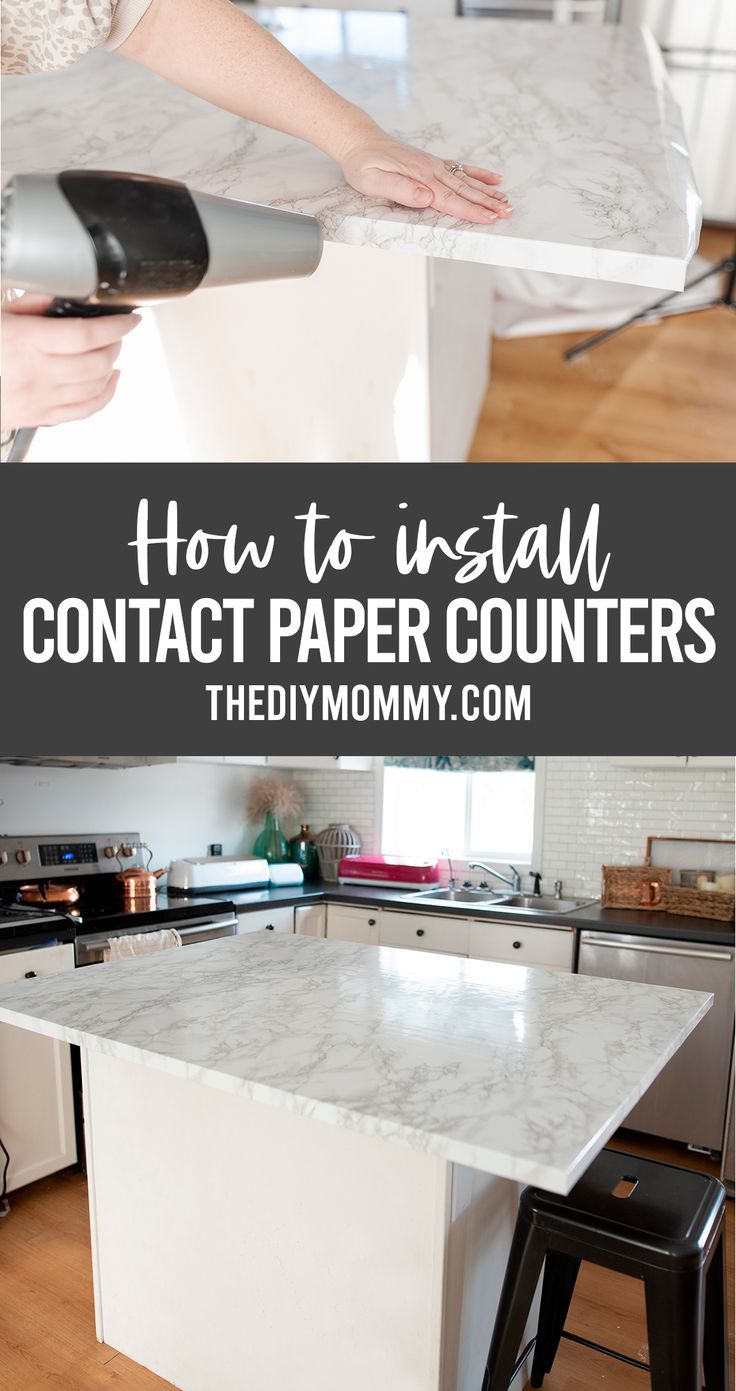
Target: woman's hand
[57, 369]
[386, 168]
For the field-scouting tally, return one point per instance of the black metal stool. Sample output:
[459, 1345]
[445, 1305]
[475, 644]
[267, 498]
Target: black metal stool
[663, 1225]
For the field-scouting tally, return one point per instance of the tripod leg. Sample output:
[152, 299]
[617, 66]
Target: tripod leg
[594, 341]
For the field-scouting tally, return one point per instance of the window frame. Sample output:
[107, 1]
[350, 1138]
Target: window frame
[533, 862]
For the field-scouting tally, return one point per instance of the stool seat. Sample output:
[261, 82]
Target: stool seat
[670, 1214]
[655, 1222]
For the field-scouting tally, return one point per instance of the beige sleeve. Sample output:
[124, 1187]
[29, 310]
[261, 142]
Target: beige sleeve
[126, 14]
[51, 34]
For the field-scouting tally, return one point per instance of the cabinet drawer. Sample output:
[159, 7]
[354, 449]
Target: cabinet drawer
[424, 932]
[310, 921]
[36, 1101]
[352, 924]
[275, 919]
[523, 945]
[42, 961]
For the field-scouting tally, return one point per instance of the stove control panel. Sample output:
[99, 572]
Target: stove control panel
[29, 858]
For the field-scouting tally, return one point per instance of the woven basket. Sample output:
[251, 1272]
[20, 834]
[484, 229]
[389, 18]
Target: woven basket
[333, 844]
[694, 903]
[621, 886]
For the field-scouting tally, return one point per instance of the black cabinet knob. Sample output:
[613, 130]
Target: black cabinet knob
[517, 945]
[269, 927]
[371, 922]
[420, 932]
[30, 974]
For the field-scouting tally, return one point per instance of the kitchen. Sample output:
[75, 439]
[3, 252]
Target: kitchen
[385, 353]
[442, 883]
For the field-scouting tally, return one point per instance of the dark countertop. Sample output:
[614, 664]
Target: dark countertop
[635, 922]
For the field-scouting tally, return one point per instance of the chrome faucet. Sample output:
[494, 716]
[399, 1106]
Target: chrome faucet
[514, 882]
[452, 880]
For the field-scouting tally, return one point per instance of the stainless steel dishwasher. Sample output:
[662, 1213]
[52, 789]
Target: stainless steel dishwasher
[688, 1100]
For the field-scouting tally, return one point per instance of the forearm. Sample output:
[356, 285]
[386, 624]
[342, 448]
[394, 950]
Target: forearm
[213, 49]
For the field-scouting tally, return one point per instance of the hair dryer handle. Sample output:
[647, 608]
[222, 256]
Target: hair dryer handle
[61, 309]
[80, 309]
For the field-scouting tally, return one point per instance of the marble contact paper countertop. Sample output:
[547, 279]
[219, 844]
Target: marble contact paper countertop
[579, 120]
[517, 1072]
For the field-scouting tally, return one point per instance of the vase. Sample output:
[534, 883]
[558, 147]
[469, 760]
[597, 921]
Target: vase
[272, 844]
[303, 851]
[333, 844]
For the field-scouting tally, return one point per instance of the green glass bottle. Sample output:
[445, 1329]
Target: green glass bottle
[303, 851]
[272, 844]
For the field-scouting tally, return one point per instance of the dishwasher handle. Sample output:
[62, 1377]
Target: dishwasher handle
[618, 945]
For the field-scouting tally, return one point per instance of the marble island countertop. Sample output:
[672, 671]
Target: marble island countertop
[520, 1073]
[578, 119]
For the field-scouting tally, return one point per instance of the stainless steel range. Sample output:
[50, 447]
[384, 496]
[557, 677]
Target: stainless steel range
[73, 881]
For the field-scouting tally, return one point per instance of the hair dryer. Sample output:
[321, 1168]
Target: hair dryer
[103, 242]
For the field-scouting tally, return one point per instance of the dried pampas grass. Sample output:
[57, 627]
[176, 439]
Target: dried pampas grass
[282, 799]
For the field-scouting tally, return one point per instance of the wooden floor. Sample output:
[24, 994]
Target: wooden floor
[47, 1335]
[660, 393]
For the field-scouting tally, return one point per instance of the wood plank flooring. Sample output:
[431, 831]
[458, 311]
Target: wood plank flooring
[660, 393]
[47, 1332]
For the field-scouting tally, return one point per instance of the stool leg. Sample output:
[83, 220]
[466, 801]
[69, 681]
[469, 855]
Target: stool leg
[675, 1329]
[519, 1287]
[560, 1274]
[715, 1341]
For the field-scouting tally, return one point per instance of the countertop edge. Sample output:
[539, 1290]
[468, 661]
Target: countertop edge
[491, 1161]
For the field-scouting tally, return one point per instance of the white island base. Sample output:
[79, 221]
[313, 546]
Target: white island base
[374, 359]
[244, 1248]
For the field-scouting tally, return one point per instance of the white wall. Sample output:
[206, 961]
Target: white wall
[178, 808]
[595, 813]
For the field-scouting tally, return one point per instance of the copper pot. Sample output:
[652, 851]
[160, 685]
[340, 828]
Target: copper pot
[53, 894]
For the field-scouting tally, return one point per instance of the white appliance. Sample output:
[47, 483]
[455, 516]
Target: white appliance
[202, 874]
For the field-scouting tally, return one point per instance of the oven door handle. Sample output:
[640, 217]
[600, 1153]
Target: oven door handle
[223, 923]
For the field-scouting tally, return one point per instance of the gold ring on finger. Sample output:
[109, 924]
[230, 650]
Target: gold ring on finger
[456, 168]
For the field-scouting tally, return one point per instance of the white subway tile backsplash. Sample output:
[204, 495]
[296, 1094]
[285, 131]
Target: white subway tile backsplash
[596, 812]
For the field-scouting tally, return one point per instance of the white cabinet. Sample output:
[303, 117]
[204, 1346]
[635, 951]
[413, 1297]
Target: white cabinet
[683, 761]
[355, 764]
[352, 924]
[236, 759]
[272, 919]
[311, 921]
[36, 1100]
[523, 945]
[424, 932]
[515, 942]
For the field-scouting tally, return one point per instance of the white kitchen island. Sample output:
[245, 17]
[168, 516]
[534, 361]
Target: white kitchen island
[383, 355]
[304, 1156]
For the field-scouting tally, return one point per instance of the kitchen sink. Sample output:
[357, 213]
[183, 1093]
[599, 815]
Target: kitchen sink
[477, 896]
[537, 903]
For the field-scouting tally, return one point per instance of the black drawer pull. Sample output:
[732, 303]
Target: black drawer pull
[517, 945]
[371, 922]
[270, 927]
[30, 974]
[420, 932]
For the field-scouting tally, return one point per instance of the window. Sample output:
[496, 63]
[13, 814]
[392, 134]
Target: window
[471, 807]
